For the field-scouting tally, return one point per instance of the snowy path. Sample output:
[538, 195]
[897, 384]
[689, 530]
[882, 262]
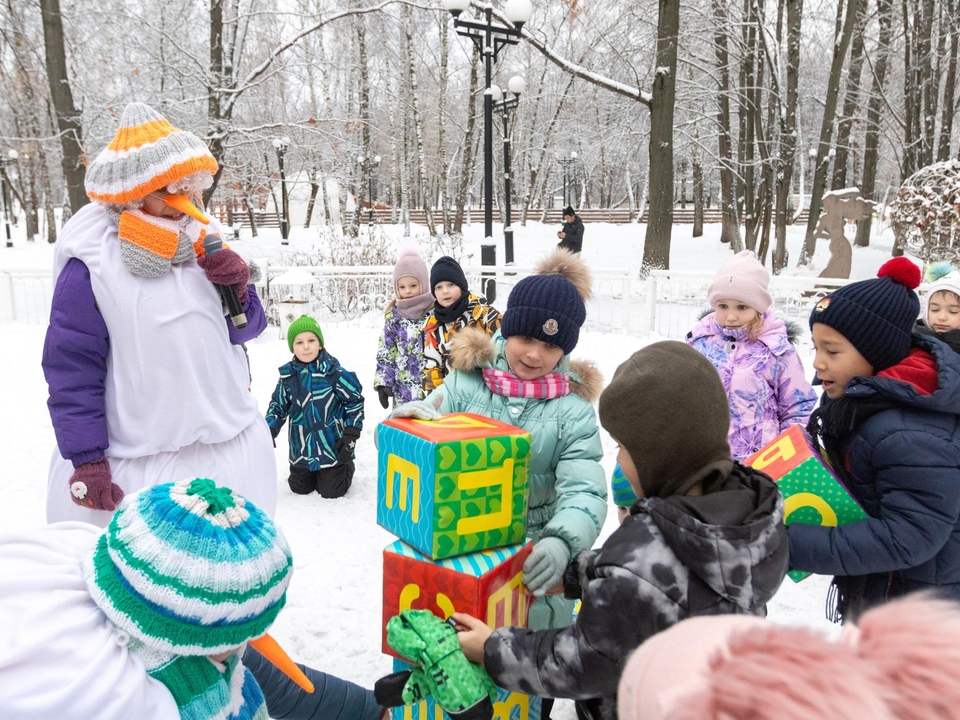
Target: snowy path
[332, 619]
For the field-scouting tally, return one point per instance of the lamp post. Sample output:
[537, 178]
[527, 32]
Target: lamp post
[516, 86]
[8, 161]
[489, 39]
[567, 163]
[281, 145]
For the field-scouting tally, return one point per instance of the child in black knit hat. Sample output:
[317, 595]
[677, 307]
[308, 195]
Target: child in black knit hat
[889, 424]
[455, 308]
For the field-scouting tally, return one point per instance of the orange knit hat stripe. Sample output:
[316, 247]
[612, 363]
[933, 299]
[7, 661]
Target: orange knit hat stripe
[139, 135]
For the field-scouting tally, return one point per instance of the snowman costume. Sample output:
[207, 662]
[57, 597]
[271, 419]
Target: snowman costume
[146, 374]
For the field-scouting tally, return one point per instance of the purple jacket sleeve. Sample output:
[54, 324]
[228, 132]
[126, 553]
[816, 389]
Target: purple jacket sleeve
[256, 320]
[75, 367]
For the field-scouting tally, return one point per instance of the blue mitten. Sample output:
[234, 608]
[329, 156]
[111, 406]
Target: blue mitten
[420, 409]
[546, 564]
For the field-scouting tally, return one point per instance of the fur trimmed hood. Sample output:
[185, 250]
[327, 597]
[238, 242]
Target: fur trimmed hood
[473, 349]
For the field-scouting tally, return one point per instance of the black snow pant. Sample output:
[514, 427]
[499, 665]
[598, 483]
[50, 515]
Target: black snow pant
[330, 482]
[332, 698]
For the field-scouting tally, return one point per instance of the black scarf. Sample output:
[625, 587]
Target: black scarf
[446, 315]
[835, 420]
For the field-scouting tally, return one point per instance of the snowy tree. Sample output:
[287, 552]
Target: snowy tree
[926, 213]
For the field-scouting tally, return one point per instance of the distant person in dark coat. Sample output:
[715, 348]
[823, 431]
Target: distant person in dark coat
[571, 236]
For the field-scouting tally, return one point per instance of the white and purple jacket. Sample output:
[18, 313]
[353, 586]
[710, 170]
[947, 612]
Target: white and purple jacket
[764, 380]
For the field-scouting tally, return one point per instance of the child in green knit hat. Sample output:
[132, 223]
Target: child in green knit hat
[325, 402]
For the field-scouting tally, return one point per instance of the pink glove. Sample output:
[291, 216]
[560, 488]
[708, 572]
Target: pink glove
[225, 267]
[91, 486]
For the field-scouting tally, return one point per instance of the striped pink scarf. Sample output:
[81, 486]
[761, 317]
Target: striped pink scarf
[551, 385]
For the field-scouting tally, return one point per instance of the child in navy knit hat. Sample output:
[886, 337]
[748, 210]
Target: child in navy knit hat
[455, 308]
[889, 424]
[523, 376]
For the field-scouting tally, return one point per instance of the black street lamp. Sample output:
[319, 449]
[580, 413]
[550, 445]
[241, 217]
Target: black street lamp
[516, 86]
[567, 163]
[8, 161]
[489, 39]
[281, 144]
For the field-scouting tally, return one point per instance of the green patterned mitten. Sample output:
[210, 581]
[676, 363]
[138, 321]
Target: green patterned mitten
[462, 689]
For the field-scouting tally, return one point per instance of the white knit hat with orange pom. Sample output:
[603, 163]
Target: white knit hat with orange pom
[148, 154]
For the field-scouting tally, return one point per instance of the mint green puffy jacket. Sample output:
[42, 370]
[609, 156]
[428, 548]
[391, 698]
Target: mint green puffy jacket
[568, 488]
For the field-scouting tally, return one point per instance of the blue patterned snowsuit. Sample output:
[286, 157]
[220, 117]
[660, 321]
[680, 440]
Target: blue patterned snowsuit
[321, 398]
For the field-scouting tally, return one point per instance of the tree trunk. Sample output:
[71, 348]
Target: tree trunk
[314, 187]
[697, 162]
[467, 166]
[366, 165]
[442, 126]
[730, 230]
[752, 106]
[788, 134]
[417, 123]
[826, 128]
[929, 86]
[912, 102]
[69, 120]
[656, 246]
[871, 142]
[949, 102]
[851, 100]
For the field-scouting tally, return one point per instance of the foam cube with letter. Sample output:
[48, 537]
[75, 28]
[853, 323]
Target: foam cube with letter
[486, 584]
[812, 494]
[508, 705]
[455, 485]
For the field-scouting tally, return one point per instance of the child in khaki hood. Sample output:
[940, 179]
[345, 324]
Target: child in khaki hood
[705, 538]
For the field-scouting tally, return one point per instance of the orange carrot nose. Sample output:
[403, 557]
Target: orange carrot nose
[271, 650]
[183, 204]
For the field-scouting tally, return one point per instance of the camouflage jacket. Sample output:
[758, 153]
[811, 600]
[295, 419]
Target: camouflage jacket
[724, 552]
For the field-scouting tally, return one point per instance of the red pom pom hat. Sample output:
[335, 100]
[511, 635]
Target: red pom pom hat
[876, 316]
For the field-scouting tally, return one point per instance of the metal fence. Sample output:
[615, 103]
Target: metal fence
[358, 295]
[25, 296]
[666, 305]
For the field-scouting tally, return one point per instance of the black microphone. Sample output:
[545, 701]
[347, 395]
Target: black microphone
[228, 293]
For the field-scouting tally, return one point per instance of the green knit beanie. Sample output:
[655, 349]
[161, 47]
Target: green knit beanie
[304, 323]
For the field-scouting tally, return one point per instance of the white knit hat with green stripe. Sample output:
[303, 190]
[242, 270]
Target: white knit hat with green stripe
[190, 568]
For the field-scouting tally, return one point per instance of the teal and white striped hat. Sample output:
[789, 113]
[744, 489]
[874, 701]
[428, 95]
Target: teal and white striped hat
[190, 568]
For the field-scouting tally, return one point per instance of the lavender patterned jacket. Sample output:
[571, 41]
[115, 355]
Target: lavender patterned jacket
[763, 378]
[400, 360]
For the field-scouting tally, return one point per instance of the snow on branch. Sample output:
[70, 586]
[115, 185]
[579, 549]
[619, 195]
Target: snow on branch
[254, 74]
[634, 93]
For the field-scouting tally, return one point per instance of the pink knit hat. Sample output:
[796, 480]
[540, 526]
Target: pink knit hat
[901, 663]
[742, 278]
[411, 264]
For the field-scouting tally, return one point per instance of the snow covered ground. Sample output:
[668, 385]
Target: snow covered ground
[332, 620]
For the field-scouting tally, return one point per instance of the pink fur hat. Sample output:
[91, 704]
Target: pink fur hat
[901, 663]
